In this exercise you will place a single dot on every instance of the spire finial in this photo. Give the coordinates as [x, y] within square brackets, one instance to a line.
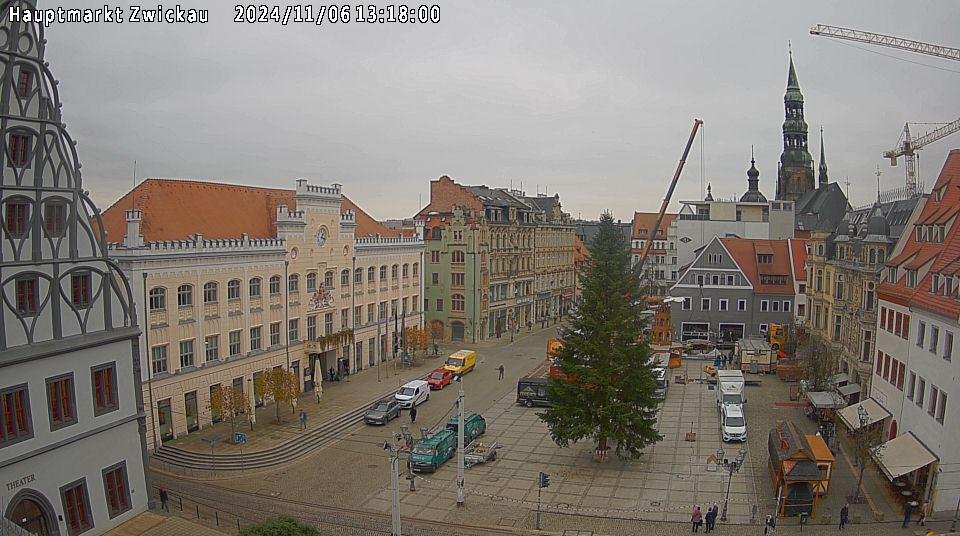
[823, 162]
[878, 183]
[789, 48]
[752, 161]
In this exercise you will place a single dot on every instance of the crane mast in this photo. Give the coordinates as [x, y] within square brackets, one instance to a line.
[666, 199]
[909, 146]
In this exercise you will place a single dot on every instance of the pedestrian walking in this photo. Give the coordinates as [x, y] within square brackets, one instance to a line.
[413, 414]
[844, 513]
[501, 371]
[710, 518]
[303, 420]
[907, 512]
[436, 349]
[922, 520]
[163, 500]
[696, 519]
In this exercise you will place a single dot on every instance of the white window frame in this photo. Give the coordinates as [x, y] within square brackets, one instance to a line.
[724, 304]
[741, 305]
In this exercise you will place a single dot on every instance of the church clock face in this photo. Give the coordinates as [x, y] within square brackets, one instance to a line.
[322, 236]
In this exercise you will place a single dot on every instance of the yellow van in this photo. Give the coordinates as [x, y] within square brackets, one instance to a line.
[461, 361]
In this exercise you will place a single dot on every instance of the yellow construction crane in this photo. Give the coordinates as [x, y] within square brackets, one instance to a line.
[906, 146]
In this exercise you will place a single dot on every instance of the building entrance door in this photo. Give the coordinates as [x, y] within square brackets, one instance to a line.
[456, 331]
[32, 517]
[190, 408]
[165, 420]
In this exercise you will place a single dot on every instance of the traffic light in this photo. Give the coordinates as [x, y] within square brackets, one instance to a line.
[544, 479]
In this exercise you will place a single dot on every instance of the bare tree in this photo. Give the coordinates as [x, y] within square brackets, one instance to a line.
[818, 360]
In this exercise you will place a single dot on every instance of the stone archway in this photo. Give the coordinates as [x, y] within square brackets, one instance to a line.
[30, 510]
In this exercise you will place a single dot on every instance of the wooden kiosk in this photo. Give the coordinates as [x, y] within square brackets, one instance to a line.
[801, 466]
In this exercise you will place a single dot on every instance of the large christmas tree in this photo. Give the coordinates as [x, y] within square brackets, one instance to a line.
[607, 392]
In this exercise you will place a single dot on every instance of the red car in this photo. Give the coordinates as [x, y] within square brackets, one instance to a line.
[438, 378]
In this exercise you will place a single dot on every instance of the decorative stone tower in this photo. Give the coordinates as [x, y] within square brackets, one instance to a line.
[73, 444]
[795, 176]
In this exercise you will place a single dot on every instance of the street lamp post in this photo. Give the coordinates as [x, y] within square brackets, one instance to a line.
[863, 417]
[953, 526]
[732, 466]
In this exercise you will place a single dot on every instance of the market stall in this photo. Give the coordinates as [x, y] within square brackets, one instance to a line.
[801, 467]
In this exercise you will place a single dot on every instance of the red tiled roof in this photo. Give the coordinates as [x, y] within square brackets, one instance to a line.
[581, 253]
[176, 209]
[798, 253]
[646, 220]
[744, 251]
[941, 257]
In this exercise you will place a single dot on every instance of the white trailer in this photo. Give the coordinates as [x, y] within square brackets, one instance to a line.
[730, 387]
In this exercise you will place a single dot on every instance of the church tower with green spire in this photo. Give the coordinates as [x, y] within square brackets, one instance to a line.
[795, 176]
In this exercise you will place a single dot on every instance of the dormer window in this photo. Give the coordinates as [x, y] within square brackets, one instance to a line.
[764, 258]
[892, 274]
[941, 233]
[948, 286]
[935, 283]
[912, 278]
[919, 233]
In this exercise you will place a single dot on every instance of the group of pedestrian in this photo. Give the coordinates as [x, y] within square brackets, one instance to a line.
[709, 520]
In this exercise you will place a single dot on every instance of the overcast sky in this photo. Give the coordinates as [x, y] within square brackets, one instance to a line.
[591, 100]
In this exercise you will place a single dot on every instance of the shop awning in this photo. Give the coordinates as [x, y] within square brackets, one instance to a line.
[566, 294]
[851, 418]
[825, 400]
[849, 389]
[902, 455]
[837, 379]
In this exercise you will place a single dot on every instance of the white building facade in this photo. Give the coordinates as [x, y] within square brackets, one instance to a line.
[72, 447]
[916, 376]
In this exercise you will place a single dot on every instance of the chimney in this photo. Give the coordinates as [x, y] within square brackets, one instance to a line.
[133, 239]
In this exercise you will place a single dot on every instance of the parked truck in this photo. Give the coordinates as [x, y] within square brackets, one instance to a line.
[730, 388]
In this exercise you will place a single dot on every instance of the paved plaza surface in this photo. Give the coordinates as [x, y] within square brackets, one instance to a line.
[652, 495]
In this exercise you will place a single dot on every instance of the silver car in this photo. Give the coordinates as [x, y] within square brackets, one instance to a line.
[382, 412]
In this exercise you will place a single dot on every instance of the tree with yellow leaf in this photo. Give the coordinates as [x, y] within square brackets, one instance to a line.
[415, 339]
[228, 403]
[279, 385]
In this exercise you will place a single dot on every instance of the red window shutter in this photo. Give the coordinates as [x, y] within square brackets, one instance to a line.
[66, 404]
[54, 403]
[72, 516]
[9, 425]
[886, 367]
[903, 370]
[883, 318]
[879, 362]
[906, 326]
[896, 330]
[21, 414]
[890, 319]
[112, 491]
[121, 490]
[98, 388]
[108, 386]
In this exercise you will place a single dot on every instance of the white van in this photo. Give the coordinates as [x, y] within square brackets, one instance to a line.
[733, 423]
[413, 393]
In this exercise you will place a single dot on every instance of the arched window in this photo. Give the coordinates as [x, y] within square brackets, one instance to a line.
[371, 275]
[358, 276]
[158, 299]
[456, 256]
[233, 289]
[185, 296]
[345, 278]
[416, 269]
[293, 283]
[395, 271]
[873, 255]
[274, 285]
[328, 279]
[383, 272]
[210, 292]
[406, 270]
[456, 302]
[312, 282]
[255, 284]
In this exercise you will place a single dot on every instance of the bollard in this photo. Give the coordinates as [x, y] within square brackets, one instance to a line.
[238, 526]
[198, 511]
[216, 517]
[181, 503]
